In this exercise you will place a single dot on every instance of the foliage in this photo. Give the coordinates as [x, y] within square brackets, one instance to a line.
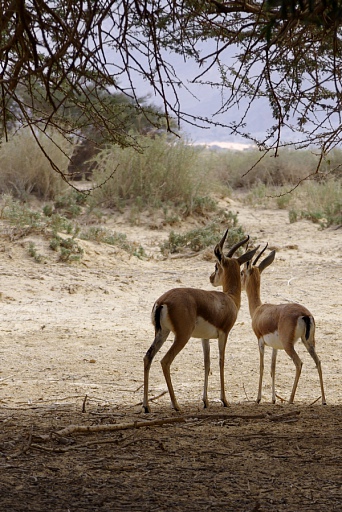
[69, 248]
[317, 201]
[117, 239]
[244, 169]
[25, 169]
[284, 56]
[322, 204]
[32, 250]
[202, 237]
[165, 171]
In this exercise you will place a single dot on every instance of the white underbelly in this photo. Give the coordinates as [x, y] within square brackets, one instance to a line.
[272, 340]
[204, 329]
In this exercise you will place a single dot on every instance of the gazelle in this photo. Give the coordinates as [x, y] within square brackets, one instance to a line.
[191, 312]
[278, 326]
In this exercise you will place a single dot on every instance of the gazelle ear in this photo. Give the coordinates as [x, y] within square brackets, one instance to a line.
[247, 256]
[267, 261]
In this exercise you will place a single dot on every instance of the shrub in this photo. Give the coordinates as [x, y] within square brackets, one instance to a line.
[163, 171]
[24, 169]
[323, 203]
[117, 239]
[203, 237]
[244, 169]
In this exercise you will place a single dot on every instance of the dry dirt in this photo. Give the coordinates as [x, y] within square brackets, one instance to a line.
[73, 339]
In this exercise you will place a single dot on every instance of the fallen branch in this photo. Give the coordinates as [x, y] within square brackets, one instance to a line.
[86, 429]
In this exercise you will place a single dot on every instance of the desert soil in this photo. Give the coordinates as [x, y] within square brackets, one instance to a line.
[73, 339]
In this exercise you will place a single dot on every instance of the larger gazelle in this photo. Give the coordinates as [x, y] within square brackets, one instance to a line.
[194, 313]
[278, 326]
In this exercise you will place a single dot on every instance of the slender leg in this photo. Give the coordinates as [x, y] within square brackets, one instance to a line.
[154, 348]
[273, 367]
[311, 349]
[222, 341]
[298, 363]
[178, 344]
[206, 354]
[261, 370]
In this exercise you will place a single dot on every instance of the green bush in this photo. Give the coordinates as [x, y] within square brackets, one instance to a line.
[203, 237]
[117, 239]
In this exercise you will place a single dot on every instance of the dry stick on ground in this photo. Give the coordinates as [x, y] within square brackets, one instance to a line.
[72, 429]
[85, 429]
[153, 398]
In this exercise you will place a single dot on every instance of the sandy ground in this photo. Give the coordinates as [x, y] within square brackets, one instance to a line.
[73, 337]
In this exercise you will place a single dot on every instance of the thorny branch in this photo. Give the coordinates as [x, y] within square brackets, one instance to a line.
[281, 55]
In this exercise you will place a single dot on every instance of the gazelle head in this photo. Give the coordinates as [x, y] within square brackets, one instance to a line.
[251, 270]
[226, 264]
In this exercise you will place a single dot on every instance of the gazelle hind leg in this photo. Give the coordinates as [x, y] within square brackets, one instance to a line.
[298, 364]
[158, 342]
[261, 367]
[206, 354]
[178, 344]
[311, 349]
[222, 341]
[273, 368]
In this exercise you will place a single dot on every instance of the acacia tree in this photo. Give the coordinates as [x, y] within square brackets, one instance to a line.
[285, 52]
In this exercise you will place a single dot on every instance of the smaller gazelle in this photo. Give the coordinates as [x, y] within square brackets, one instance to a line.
[278, 326]
[191, 312]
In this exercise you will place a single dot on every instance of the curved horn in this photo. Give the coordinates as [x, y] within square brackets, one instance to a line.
[236, 246]
[219, 247]
[262, 252]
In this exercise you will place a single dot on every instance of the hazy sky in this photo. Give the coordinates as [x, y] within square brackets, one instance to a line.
[205, 101]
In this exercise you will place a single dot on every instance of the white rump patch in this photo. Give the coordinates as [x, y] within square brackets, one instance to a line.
[165, 321]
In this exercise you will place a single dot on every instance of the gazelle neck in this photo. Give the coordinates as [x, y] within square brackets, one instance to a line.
[253, 291]
[232, 285]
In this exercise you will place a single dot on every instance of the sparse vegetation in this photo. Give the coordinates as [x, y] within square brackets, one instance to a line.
[25, 170]
[203, 237]
[69, 248]
[117, 239]
[32, 250]
[167, 171]
[178, 181]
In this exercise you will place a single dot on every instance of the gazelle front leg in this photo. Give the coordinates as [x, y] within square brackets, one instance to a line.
[273, 368]
[222, 341]
[159, 339]
[261, 369]
[206, 354]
